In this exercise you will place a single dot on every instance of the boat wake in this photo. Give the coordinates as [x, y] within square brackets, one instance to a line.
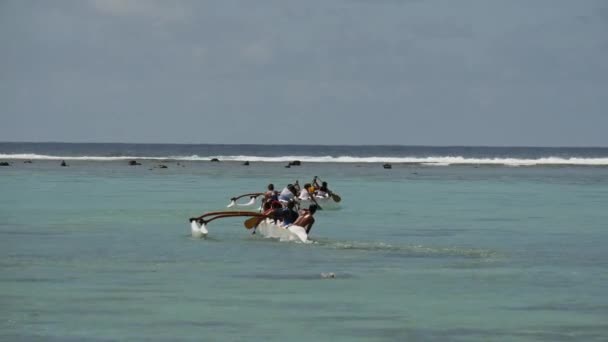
[414, 251]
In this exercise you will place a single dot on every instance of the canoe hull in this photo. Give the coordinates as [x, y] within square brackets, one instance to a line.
[327, 203]
[269, 229]
[266, 228]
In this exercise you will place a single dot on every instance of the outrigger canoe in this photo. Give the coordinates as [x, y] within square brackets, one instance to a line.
[262, 224]
[255, 202]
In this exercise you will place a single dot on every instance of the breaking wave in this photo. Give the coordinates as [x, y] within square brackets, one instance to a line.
[428, 161]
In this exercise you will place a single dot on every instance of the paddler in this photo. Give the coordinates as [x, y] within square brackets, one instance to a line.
[322, 191]
[305, 192]
[269, 196]
[288, 215]
[306, 219]
[288, 194]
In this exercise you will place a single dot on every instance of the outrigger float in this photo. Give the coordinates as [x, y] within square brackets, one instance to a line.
[262, 224]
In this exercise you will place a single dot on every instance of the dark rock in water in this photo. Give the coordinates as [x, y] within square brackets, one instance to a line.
[215, 160]
[134, 162]
[246, 163]
[63, 163]
[4, 164]
[387, 166]
[162, 166]
[295, 163]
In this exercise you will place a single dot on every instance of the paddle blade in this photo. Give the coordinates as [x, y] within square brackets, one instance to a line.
[336, 198]
[252, 222]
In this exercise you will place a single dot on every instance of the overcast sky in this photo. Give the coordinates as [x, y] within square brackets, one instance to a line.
[406, 72]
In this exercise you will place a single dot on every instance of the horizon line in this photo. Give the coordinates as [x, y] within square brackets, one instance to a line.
[268, 144]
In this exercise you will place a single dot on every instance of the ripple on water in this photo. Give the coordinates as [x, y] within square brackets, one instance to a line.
[536, 333]
[295, 276]
[576, 307]
[414, 250]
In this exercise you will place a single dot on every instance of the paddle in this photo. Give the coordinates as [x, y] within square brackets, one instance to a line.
[255, 220]
[335, 197]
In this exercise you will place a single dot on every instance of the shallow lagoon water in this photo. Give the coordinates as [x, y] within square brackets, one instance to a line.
[101, 251]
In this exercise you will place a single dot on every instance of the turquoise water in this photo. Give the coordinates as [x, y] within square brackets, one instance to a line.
[102, 251]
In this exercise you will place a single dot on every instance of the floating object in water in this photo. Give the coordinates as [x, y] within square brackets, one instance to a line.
[328, 275]
[215, 160]
[387, 166]
[63, 163]
[134, 162]
[246, 163]
[5, 164]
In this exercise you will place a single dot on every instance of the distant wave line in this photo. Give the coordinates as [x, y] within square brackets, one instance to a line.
[431, 160]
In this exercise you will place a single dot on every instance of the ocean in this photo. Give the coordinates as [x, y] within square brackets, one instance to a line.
[450, 244]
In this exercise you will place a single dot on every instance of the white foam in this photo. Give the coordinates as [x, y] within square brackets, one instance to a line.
[431, 161]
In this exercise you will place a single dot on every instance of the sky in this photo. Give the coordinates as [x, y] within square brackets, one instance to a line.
[337, 72]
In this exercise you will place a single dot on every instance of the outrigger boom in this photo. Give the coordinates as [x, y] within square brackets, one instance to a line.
[198, 225]
[265, 223]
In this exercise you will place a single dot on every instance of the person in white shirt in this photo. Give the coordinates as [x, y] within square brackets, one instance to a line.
[304, 193]
[287, 194]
